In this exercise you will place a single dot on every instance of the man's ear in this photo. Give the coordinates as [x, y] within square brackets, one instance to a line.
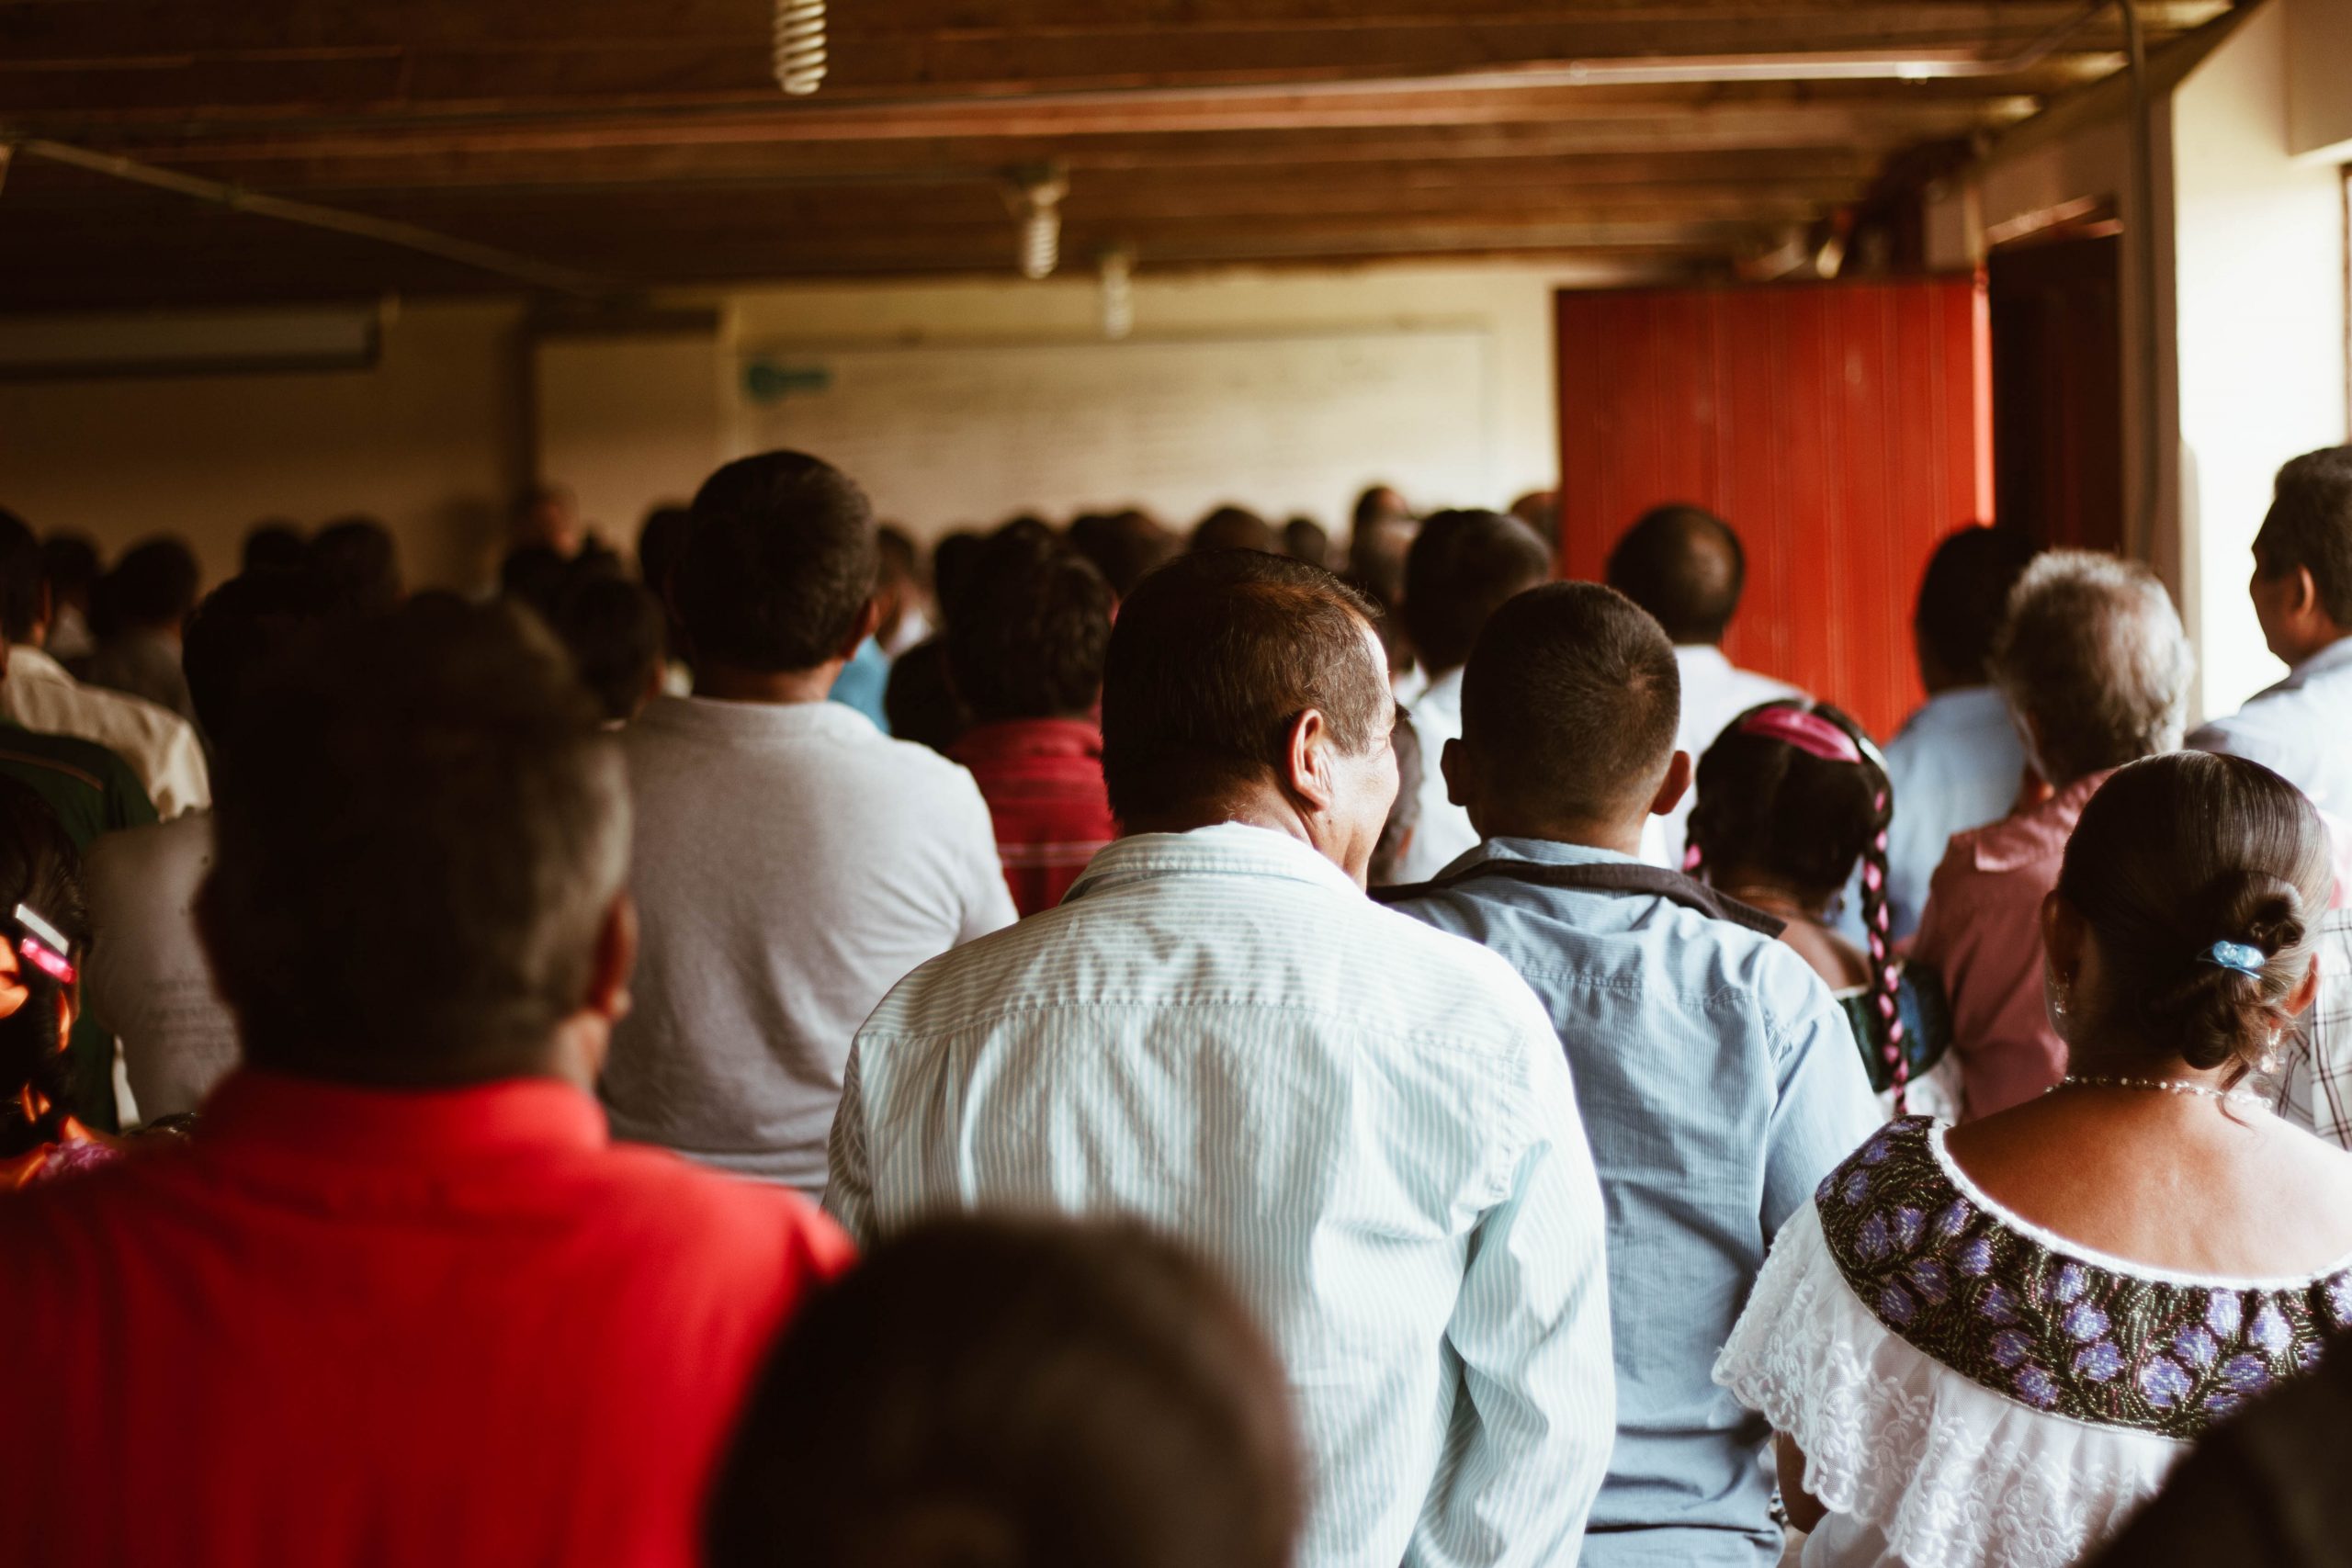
[1307, 761]
[2306, 597]
[614, 961]
[1464, 783]
[869, 617]
[1673, 787]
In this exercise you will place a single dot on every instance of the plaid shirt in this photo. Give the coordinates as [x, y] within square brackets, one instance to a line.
[2317, 1091]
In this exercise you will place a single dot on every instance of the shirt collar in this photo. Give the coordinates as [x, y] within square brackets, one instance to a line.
[718, 717]
[1029, 737]
[352, 1124]
[1227, 849]
[1960, 707]
[2335, 656]
[25, 659]
[2039, 832]
[1544, 852]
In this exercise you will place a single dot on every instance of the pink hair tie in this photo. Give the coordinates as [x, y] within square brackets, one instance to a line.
[1808, 732]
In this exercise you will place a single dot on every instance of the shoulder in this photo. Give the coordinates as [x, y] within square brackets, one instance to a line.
[719, 1219]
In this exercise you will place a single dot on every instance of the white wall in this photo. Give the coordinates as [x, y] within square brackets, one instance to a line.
[2259, 246]
[429, 440]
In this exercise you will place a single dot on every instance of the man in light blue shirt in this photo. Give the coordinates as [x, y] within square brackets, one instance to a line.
[2301, 728]
[1718, 1080]
[1958, 762]
[1367, 1124]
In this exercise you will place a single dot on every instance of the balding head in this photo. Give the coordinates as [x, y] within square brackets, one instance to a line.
[1684, 566]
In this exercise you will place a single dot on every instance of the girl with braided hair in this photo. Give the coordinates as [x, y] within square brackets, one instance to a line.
[42, 931]
[1789, 798]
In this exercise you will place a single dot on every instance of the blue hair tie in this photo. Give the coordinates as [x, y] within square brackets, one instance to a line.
[2239, 957]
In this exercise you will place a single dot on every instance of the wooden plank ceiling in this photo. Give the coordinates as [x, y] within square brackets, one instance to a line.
[645, 142]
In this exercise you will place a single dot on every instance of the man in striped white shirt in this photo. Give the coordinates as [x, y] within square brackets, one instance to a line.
[1368, 1123]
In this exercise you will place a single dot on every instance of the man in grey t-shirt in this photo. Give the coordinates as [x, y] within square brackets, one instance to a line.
[791, 863]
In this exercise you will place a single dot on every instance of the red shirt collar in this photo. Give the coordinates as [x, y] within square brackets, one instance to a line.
[1028, 737]
[353, 1123]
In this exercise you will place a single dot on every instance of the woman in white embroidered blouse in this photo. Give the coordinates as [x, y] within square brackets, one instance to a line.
[1986, 1345]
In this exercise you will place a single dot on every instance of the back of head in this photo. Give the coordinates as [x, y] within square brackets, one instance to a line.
[241, 641]
[1306, 539]
[420, 833]
[357, 566]
[896, 560]
[1029, 637]
[2310, 526]
[1005, 1393]
[615, 632]
[40, 873]
[155, 583]
[658, 544]
[1779, 811]
[1381, 531]
[1126, 547]
[1964, 597]
[273, 546]
[534, 577]
[1233, 529]
[921, 701]
[952, 559]
[1685, 566]
[2173, 855]
[778, 564]
[20, 578]
[2092, 656]
[1461, 568]
[1569, 703]
[1212, 658]
[69, 565]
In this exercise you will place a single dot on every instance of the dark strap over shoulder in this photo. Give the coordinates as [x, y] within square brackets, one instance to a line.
[1605, 876]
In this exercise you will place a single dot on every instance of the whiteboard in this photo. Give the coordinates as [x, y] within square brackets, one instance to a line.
[955, 435]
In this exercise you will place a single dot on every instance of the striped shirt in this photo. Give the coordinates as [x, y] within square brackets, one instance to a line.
[1368, 1123]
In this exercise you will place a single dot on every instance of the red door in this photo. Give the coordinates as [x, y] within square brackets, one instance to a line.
[1842, 429]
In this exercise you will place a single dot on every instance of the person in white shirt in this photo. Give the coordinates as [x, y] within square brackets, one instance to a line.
[1957, 762]
[147, 977]
[1685, 566]
[791, 862]
[2301, 728]
[1367, 1124]
[160, 747]
[1464, 566]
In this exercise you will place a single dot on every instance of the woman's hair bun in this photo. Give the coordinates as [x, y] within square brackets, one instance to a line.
[2225, 1012]
[2260, 910]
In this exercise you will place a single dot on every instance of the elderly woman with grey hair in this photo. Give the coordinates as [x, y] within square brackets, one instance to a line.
[2095, 667]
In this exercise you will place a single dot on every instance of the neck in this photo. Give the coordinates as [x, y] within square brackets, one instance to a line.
[730, 683]
[2310, 649]
[1773, 899]
[1267, 808]
[1619, 836]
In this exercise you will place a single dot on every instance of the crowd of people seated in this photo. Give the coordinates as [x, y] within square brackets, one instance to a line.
[1090, 1046]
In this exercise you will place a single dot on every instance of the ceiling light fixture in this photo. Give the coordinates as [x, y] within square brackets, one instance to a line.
[1036, 194]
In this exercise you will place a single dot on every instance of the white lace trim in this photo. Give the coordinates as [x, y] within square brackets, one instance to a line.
[1951, 1474]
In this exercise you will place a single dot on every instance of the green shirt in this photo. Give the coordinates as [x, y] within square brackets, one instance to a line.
[93, 792]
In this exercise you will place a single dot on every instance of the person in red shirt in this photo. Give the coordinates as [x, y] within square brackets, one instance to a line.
[1025, 640]
[399, 1301]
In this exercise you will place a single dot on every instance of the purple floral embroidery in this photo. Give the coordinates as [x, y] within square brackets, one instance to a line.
[2098, 1362]
[2053, 1332]
[2084, 1321]
[2163, 1383]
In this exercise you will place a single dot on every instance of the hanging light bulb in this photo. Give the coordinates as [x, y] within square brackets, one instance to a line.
[1036, 196]
[800, 45]
[1118, 293]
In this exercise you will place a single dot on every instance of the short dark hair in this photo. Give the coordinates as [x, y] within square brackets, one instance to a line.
[2310, 526]
[537, 576]
[241, 640]
[1306, 539]
[357, 566]
[273, 546]
[919, 699]
[1028, 639]
[69, 564]
[613, 629]
[20, 578]
[1571, 699]
[1964, 597]
[1685, 566]
[896, 558]
[1405, 815]
[658, 544]
[1214, 657]
[417, 851]
[1125, 547]
[38, 868]
[1047, 1393]
[1233, 529]
[2174, 854]
[778, 564]
[1461, 566]
[952, 559]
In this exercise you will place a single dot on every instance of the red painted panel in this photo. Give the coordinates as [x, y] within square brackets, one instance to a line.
[1842, 428]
